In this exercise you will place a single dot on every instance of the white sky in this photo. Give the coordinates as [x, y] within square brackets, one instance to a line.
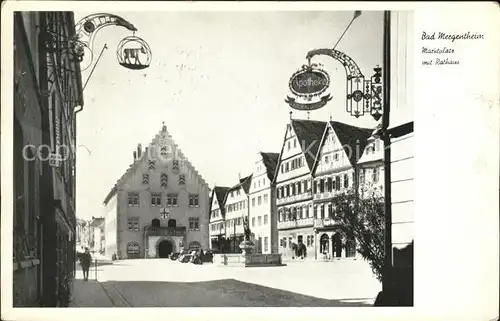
[226, 104]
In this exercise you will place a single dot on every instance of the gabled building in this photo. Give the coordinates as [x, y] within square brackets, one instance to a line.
[262, 217]
[159, 206]
[336, 170]
[217, 230]
[293, 183]
[236, 203]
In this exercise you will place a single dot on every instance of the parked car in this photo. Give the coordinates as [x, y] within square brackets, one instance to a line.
[184, 256]
[208, 256]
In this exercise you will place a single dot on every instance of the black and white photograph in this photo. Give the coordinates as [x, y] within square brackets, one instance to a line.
[217, 158]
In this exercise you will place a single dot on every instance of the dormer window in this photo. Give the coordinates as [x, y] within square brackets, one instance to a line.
[145, 178]
[163, 151]
[182, 179]
[163, 180]
[151, 164]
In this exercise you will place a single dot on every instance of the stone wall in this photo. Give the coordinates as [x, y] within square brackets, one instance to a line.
[25, 286]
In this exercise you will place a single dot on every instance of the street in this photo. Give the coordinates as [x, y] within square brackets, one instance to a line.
[166, 283]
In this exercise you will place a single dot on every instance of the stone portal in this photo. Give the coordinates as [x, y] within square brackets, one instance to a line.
[165, 247]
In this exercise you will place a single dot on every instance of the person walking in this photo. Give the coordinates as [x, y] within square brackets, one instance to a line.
[85, 261]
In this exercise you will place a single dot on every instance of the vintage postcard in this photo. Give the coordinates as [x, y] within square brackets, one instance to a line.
[205, 156]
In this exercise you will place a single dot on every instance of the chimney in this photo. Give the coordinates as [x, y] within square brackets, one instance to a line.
[135, 155]
[139, 151]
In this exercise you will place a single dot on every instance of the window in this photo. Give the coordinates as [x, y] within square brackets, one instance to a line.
[194, 200]
[346, 181]
[132, 248]
[182, 179]
[239, 221]
[336, 157]
[295, 143]
[155, 199]
[266, 245]
[337, 182]
[288, 145]
[362, 176]
[329, 184]
[133, 199]
[253, 221]
[175, 165]
[375, 175]
[322, 185]
[163, 151]
[326, 159]
[145, 178]
[253, 201]
[266, 219]
[163, 180]
[194, 223]
[280, 216]
[133, 224]
[259, 220]
[257, 184]
[286, 166]
[322, 208]
[315, 211]
[172, 200]
[265, 199]
[299, 188]
[259, 200]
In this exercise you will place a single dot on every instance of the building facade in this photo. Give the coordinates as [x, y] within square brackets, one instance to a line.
[97, 232]
[159, 206]
[346, 156]
[47, 97]
[262, 200]
[237, 210]
[293, 181]
[82, 235]
[218, 219]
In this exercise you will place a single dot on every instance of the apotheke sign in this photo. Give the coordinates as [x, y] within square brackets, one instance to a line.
[307, 85]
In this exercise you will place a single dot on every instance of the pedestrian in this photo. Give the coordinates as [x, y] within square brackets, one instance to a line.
[85, 261]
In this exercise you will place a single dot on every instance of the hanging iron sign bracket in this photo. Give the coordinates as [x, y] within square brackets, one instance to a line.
[363, 95]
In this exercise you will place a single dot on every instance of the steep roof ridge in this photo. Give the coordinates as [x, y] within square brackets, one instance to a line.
[270, 162]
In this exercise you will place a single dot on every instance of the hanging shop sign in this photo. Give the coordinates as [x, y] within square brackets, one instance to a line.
[363, 95]
[307, 85]
[134, 53]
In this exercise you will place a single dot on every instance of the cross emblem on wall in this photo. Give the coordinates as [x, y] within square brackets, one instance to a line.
[164, 212]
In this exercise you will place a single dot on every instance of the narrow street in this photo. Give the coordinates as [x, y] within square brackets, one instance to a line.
[166, 283]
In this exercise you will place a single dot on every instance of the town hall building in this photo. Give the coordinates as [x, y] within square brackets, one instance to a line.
[159, 206]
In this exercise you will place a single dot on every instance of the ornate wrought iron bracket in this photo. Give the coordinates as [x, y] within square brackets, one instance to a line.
[363, 95]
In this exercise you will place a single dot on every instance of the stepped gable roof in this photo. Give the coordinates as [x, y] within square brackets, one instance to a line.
[309, 134]
[352, 138]
[133, 167]
[271, 162]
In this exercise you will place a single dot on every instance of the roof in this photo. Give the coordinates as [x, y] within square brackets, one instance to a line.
[309, 134]
[401, 130]
[96, 221]
[271, 163]
[352, 139]
[244, 183]
[133, 167]
[220, 194]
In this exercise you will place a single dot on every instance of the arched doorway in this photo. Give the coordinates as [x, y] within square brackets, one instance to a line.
[323, 243]
[350, 248]
[337, 245]
[195, 245]
[155, 222]
[165, 247]
[172, 223]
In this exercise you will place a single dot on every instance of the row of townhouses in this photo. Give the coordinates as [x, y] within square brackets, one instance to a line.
[288, 199]
[90, 234]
